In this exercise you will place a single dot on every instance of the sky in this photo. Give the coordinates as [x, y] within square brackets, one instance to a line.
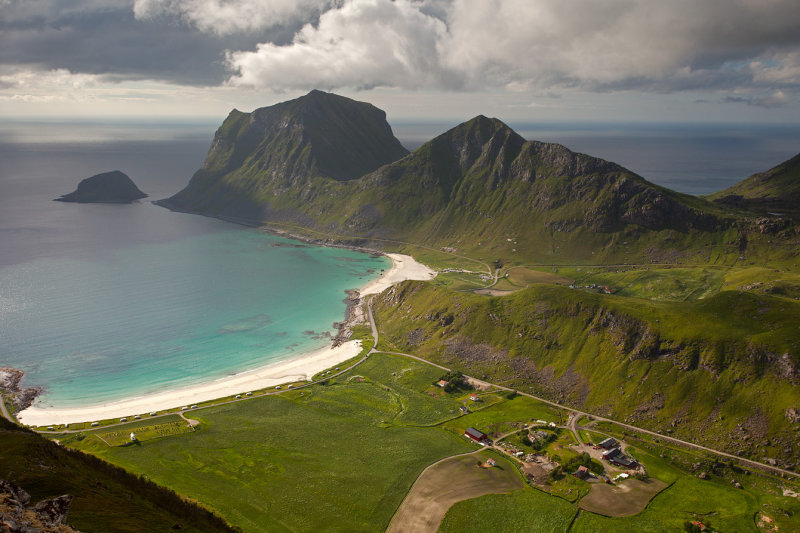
[709, 61]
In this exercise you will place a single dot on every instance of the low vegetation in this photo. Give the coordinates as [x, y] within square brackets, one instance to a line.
[720, 370]
[105, 497]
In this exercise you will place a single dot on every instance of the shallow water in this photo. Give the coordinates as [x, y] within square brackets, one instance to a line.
[103, 302]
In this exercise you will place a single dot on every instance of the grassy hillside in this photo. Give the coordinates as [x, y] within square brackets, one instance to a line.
[777, 189]
[324, 165]
[721, 370]
[106, 498]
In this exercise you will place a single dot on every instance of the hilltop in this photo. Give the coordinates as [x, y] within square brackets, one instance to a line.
[327, 164]
[776, 190]
[286, 149]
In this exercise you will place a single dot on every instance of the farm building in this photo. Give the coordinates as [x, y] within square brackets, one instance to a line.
[608, 443]
[474, 397]
[582, 472]
[442, 383]
[610, 454]
[476, 435]
[464, 409]
[624, 461]
[491, 462]
[615, 456]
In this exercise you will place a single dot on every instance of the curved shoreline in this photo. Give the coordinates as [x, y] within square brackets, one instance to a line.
[299, 368]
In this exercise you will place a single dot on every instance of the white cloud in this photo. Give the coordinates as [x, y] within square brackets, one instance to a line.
[231, 16]
[363, 43]
[38, 81]
[535, 44]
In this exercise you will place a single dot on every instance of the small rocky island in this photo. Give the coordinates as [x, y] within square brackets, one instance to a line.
[113, 187]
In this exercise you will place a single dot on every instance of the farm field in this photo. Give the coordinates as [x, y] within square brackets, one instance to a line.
[626, 499]
[344, 455]
[164, 427]
[450, 481]
[328, 457]
[523, 510]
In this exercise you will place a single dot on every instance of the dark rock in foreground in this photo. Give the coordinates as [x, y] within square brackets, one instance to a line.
[45, 516]
[112, 187]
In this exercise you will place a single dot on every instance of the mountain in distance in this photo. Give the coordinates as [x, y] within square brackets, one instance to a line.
[775, 191]
[113, 187]
[255, 157]
[327, 164]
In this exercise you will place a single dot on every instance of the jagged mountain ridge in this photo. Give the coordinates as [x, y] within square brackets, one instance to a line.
[290, 164]
[482, 167]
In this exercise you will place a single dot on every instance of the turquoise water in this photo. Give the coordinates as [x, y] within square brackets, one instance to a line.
[103, 302]
[141, 318]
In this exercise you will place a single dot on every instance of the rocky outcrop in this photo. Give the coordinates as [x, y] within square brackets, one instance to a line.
[113, 187]
[17, 516]
[20, 398]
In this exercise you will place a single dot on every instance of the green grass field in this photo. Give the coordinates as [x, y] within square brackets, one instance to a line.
[336, 456]
[343, 455]
[163, 428]
[523, 510]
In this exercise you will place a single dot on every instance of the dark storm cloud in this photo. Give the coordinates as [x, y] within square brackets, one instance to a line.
[105, 38]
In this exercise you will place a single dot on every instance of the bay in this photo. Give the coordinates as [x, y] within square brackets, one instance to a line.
[104, 302]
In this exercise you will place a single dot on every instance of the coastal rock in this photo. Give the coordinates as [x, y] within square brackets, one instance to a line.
[20, 398]
[113, 187]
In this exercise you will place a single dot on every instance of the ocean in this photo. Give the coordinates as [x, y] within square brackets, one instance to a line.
[104, 302]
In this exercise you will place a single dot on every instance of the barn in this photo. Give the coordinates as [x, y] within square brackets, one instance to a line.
[476, 435]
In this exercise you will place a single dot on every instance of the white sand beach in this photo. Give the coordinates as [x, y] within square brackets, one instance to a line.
[302, 367]
[404, 267]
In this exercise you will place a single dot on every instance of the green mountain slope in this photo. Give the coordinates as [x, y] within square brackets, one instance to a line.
[776, 190]
[721, 371]
[286, 147]
[324, 163]
[105, 497]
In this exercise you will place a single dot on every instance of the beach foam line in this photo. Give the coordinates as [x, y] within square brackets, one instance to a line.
[298, 369]
[404, 267]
